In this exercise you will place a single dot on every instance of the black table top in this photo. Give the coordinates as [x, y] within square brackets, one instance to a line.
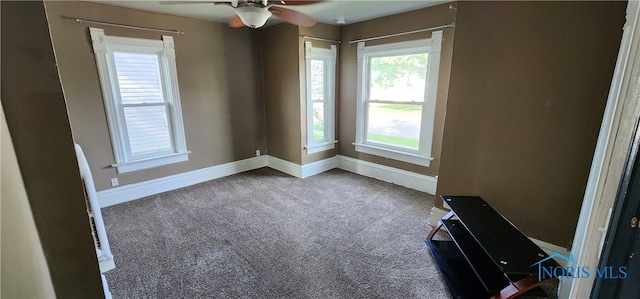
[511, 250]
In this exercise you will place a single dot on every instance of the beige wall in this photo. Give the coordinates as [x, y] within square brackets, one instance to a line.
[36, 116]
[325, 31]
[414, 20]
[528, 86]
[529, 81]
[285, 89]
[25, 273]
[220, 78]
[282, 91]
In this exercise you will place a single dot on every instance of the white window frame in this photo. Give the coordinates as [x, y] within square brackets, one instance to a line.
[328, 56]
[432, 46]
[103, 47]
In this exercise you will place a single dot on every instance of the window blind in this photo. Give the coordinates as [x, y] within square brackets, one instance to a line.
[142, 99]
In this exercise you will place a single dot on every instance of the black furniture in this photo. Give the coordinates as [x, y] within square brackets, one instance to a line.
[488, 257]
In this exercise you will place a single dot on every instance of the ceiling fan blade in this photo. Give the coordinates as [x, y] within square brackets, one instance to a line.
[236, 22]
[189, 2]
[292, 16]
[295, 2]
[232, 3]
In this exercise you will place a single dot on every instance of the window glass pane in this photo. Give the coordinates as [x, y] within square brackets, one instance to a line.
[317, 80]
[398, 78]
[148, 129]
[318, 121]
[138, 77]
[395, 124]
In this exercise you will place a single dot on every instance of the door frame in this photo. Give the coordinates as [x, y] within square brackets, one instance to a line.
[621, 220]
[616, 132]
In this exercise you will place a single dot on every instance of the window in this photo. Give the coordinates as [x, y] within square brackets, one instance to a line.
[140, 90]
[396, 99]
[320, 76]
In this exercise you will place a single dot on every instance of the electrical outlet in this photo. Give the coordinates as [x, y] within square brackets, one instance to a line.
[114, 182]
[257, 153]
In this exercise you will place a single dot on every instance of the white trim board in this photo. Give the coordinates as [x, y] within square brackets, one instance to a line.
[287, 167]
[313, 168]
[389, 174]
[437, 214]
[302, 171]
[550, 249]
[616, 132]
[130, 192]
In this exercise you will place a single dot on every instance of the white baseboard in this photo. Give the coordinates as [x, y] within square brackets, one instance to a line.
[436, 215]
[130, 192]
[317, 167]
[302, 171]
[105, 287]
[550, 249]
[287, 167]
[389, 174]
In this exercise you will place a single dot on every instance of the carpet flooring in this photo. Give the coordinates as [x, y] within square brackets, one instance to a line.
[265, 234]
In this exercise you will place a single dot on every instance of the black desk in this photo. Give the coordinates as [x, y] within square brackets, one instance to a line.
[488, 256]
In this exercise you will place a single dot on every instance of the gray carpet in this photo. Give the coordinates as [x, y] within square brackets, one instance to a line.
[264, 234]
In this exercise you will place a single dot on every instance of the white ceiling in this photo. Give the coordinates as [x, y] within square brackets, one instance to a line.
[352, 11]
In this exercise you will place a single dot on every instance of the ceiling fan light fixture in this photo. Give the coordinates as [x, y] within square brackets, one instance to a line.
[253, 17]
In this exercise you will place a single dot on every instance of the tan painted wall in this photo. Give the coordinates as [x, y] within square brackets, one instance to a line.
[282, 91]
[36, 115]
[25, 273]
[529, 82]
[325, 31]
[414, 20]
[220, 78]
[320, 30]
[285, 89]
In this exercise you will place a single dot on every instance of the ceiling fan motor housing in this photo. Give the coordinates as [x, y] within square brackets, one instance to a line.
[253, 16]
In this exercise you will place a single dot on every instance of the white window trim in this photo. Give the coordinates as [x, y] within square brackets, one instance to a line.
[423, 155]
[320, 147]
[103, 46]
[329, 57]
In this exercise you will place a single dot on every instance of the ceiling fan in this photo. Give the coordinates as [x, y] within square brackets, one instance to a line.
[255, 13]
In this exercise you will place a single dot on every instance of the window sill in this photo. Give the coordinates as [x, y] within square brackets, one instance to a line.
[320, 147]
[151, 162]
[393, 154]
